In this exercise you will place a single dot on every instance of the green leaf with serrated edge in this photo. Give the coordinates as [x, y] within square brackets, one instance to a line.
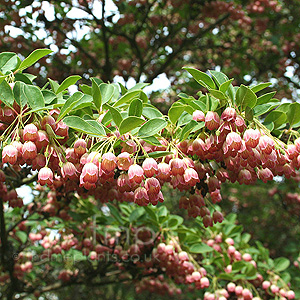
[135, 108]
[86, 89]
[264, 108]
[116, 115]
[68, 106]
[35, 98]
[128, 97]
[67, 82]
[107, 91]
[281, 263]
[293, 114]
[33, 58]
[245, 97]
[225, 85]
[200, 248]
[175, 112]
[152, 127]
[151, 112]
[9, 62]
[152, 140]
[79, 124]
[97, 125]
[6, 94]
[260, 86]
[277, 117]
[129, 124]
[187, 129]
[201, 77]
[19, 93]
[265, 98]
[96, 94]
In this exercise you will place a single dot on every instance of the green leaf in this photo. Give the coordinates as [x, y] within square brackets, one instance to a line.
[34, 96]
[158, 154]
[22, 236]
[265, 98]
[54, 85]
[49, 96]
[201, 77]
[96, 94]
[277, 117]
[174, 221]
[211, 103]
[221, 78]
[139, 86]
[135, 108]
[187, 129]
[263, 108]
[123, 88]
[70, 103]
[8, 62]
[270, 126]
[218, 94]
[129, 124]
[176, 111]
[246, 238]
[33, 58]
[281, 263]
[128, 97]
[245, 97]
[200, 248]
[67, 82]
[260, 87]
[151, 112]
[116, 115]
[152, 127]
[136, 214]
[23, 77]
[19, 93]
[152, 140]
[81, 125]
[115, 213]
[107, 91]
[86, 89]
[293, 114]
[249, 113]
[6, 94]
[225, 85]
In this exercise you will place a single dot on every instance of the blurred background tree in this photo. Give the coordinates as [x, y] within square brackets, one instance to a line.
[144, 39]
